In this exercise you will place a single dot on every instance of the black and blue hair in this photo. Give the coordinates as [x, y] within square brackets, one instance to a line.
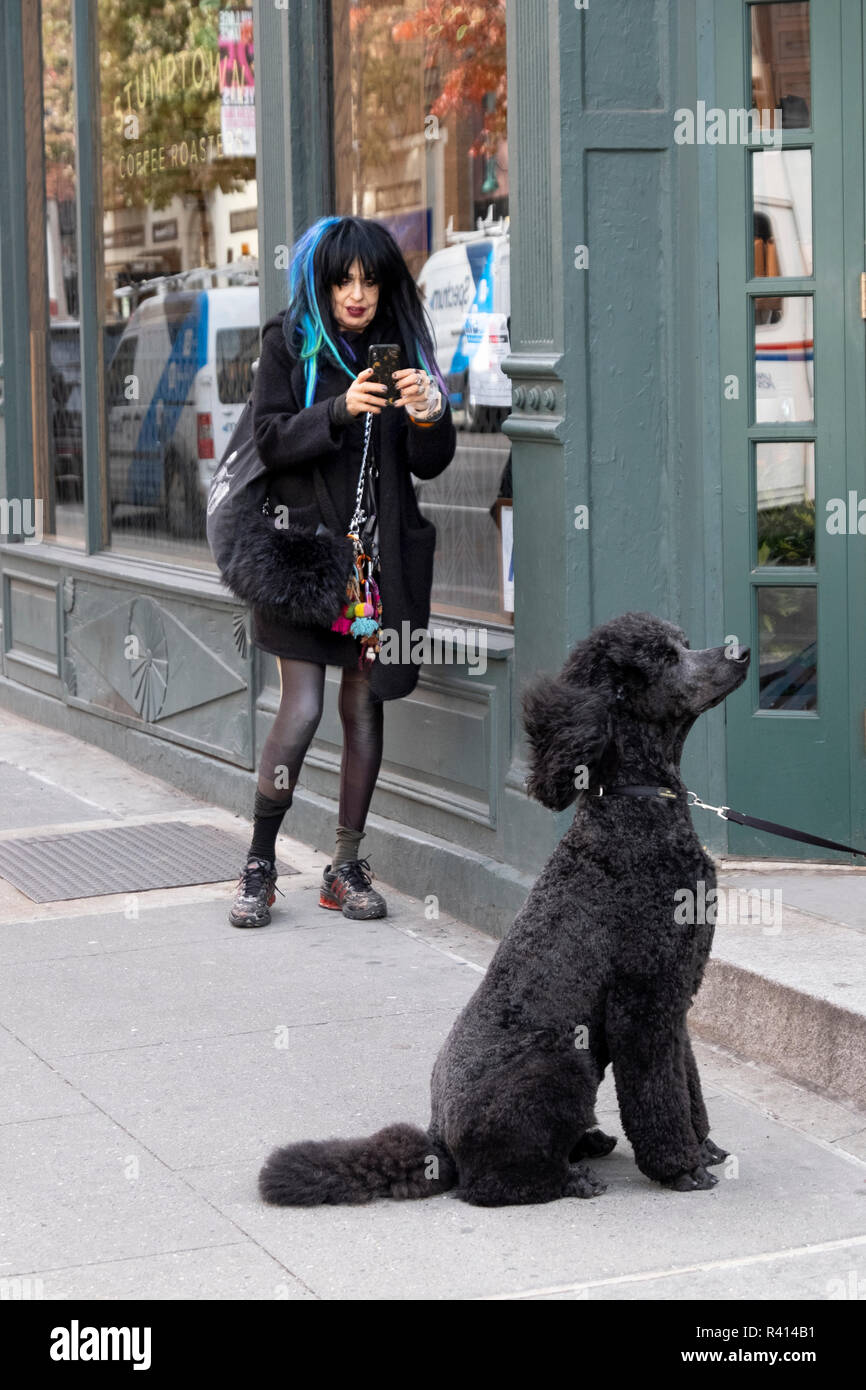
[322, 258]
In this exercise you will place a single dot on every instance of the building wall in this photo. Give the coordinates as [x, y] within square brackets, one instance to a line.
[613, 368]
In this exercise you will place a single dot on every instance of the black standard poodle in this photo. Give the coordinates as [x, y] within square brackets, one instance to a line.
[598, 966]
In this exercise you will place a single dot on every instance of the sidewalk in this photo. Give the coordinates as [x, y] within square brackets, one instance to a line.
[151, 1055]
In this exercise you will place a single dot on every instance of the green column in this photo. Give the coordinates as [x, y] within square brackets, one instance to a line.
[612, 230]
[293, 144]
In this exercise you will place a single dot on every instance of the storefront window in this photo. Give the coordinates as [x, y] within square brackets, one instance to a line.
[60, 476]
[420, 110]
[180, 299]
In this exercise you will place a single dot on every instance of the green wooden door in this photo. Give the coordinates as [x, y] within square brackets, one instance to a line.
[792, 357]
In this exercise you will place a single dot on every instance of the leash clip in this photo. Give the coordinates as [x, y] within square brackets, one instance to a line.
[720, 811]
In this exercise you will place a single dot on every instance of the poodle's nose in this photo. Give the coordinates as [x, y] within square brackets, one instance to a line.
[743, 658]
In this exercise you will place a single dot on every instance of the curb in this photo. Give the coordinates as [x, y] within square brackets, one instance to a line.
[803, 1037]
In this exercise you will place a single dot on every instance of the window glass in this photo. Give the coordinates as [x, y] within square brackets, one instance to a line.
[788, 639]
[784, 359]
[781, 74]
[782, 193]
[785, 497]
[420, 124]
[180, 291]
[236, 351]
[61, 486]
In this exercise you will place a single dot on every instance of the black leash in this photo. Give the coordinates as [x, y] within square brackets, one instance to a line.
[786, 832]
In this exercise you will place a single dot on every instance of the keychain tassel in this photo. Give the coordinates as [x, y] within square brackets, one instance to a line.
[362, 610]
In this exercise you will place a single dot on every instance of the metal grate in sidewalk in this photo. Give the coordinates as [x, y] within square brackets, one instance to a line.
[123, 859]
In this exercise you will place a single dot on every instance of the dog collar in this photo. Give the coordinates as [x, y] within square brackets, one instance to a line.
[665, 793]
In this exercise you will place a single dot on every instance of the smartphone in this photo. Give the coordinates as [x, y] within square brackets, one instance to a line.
[384, 358]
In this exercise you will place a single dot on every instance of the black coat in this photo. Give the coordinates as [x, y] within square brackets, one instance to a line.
[314, 462]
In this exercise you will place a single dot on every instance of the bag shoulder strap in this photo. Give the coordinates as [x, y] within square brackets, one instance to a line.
[326, 506]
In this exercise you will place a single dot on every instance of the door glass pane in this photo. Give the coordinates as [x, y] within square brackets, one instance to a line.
[784, 359]
[788, 647]
[420, 144]
[780, 62]
[181, 299]
[782, 195]
[785, 496]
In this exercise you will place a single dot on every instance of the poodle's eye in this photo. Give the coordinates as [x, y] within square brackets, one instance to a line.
[672, 656]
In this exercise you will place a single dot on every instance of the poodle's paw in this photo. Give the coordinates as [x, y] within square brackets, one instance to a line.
[697, 1180]
[594, 1143]
[711, 1153]
[582, 1182]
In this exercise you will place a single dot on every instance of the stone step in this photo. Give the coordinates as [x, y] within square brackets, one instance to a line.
[786, 984]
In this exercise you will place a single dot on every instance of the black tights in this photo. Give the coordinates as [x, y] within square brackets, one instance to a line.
[301, 699]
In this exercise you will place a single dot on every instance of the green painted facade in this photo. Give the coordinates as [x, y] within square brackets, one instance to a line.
[617, 369]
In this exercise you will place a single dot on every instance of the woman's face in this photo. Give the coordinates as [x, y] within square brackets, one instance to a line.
[354, 300]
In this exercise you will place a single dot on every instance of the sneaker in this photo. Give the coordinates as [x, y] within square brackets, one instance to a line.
[257, 890]
[348, 889]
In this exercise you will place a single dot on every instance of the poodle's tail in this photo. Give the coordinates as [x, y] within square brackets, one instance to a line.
[398, 1161]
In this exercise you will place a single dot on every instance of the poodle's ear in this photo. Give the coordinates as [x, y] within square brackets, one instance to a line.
[568, 728]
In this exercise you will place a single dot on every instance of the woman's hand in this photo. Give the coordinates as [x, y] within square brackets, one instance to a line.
[415, 388]
[365, 395]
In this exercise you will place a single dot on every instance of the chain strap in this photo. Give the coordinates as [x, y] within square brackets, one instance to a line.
[359, 516]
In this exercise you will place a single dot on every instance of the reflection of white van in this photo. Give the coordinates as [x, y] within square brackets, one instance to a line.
[784, 347]
[466, 290]
[176, 387]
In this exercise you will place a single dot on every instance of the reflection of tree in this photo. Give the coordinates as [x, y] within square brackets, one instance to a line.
[786, 535]
[468, 43]
[135, 38]
[387, 95]
[463, 52]
[57, 97]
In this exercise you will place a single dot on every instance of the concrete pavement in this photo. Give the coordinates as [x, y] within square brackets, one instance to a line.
[150, 1055]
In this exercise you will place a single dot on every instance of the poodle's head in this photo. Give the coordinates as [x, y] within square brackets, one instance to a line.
[627, 694]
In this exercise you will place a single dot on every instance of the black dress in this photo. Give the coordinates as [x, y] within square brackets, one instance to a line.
[313, 454]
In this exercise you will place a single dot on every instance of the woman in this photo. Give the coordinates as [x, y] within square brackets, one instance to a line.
[350, 288]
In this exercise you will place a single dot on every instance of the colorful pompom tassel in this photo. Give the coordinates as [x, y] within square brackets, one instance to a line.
[362, 611]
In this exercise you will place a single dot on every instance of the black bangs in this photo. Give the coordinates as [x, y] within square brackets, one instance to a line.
[354, 239]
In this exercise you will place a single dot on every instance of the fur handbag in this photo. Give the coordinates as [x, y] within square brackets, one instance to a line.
[290, 572]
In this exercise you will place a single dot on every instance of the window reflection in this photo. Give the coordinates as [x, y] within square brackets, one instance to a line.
[780, 62]
[788, 639]
[61, 485]
[420, 120]
[782, 194]
[785, 496]
[181, 270]
[784, 359]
